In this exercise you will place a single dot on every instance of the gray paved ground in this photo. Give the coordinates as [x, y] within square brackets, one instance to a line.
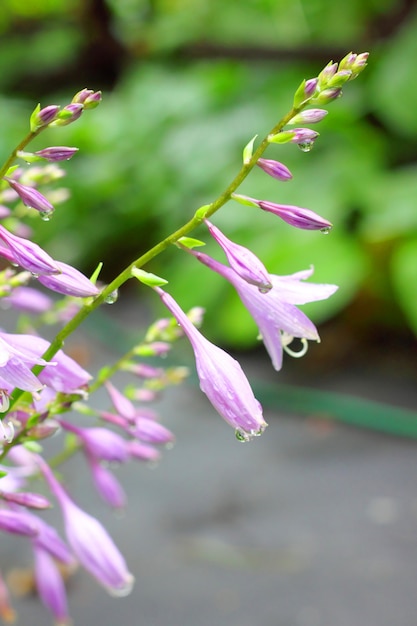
[309, 525]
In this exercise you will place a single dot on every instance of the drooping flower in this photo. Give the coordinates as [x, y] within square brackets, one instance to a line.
[28, 300]
[50, 586]
[90, 542]
[221, 377]
[242, 260]
[107, 485]
[101, 443]
[275, 313]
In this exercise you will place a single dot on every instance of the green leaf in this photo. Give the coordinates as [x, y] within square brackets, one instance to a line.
[152, 280]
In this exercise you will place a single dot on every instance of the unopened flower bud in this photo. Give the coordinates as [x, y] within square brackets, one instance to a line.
[275, 169]
[89, 98]
[57, 153]
[327, 95]
[309, 116]
[70, 113]
[31, 197]
[43, 117]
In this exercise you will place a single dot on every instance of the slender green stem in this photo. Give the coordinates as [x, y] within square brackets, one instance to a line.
[12, 157]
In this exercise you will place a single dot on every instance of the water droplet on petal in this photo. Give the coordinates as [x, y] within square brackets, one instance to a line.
[112, 297]
[306, 146]
[326, 230]
[241, 435]
[121, 592]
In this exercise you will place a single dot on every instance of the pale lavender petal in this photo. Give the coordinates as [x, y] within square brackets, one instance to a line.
[50, 586]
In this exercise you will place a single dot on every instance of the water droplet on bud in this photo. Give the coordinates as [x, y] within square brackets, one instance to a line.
[112, 297]
[45, 215]
[326, 230]
[306, 146]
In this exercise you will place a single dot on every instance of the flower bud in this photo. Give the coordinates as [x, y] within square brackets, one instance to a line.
[70, 113]
[43, 117]
[56, 153]
[275, 169]
[31, 197]
[309, 116]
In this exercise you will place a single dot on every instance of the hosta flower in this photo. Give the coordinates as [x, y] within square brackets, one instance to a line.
[242, 260]
[50, 586]
[90, 542]
[221, 377]
[100, 443]
[16, 364]
[275, 313]
[22, 352]
[275, 169]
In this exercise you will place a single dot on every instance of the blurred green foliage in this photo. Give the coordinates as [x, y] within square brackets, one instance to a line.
[188, 83]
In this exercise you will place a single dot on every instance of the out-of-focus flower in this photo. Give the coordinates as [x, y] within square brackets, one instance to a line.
[221, 377]
[91, 543]
[101, 443]
[28, 300]
[50, 586]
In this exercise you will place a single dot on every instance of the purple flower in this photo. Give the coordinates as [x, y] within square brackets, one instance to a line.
[31, 197]
[123, 405]
[17, 523]
[107, 485]
[27, 254]
[28, 300]
[27, 499]
[56, 153]
[150, 431]
[221, 377]
[100, 443]
[91, 543]
[143, 451]
[63, 374]
[16, 364]
[69, 281]
[275, 169]
[68, 114]
[275, 313]
[242, 260]
[50, 586]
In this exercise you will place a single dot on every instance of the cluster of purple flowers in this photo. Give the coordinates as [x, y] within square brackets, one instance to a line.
[51, 383]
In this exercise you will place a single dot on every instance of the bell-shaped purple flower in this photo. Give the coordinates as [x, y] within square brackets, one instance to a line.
[27, 254]
[69, 282]
[17, 523]
[275, 313]
[221, 377]
[151, 431]
[107, 485]
[242, 260]
[91, 543]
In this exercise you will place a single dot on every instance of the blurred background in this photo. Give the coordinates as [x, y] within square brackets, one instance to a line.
[186, 84]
